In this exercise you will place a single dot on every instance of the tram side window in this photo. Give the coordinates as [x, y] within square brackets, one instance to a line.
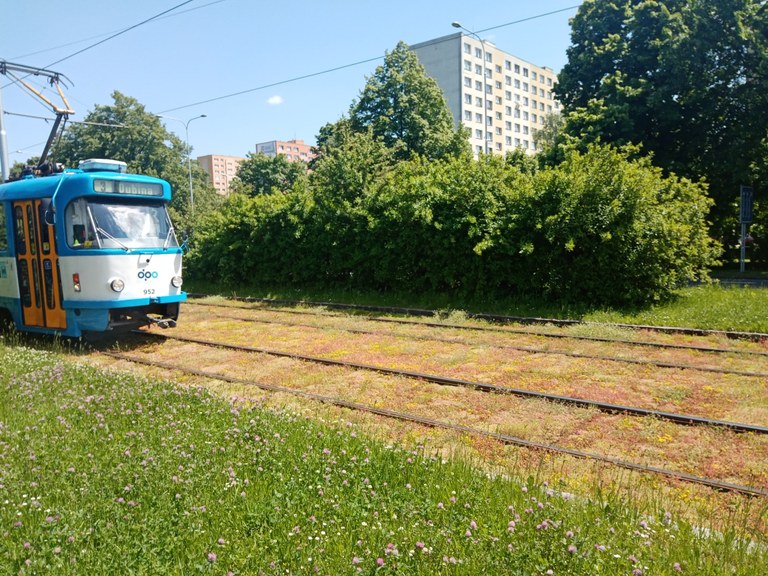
[3, 230]
[80, 233]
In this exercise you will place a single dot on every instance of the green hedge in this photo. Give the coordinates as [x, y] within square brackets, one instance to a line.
[599, 228]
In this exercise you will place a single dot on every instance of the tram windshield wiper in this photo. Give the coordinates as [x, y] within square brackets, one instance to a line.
[171, 234]
[109, 236]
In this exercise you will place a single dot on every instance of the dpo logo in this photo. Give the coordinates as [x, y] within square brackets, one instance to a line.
[146, 275]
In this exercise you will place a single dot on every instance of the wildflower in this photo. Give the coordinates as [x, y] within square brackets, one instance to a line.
[569, 534]
[211, 557]
[379, 561]
[221, 541]
[468, 533]
[440, 505]
[600, 547]
[473, 525]
[676, 567]
[420, 545]
[356, 560]
[637, 572]
[572, 549]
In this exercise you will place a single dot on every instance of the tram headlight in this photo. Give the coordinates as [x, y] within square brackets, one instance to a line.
[117, 285]
[176, 281]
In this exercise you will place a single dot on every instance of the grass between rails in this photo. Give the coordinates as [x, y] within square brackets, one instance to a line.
[713, 306]
[108, 473]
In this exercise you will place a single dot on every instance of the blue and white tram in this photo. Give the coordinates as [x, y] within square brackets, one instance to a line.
[88, 250]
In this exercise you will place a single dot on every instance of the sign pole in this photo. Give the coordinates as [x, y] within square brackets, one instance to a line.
[745, 217]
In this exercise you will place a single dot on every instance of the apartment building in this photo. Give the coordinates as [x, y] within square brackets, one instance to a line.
[221, 170]
[501, 98]
[292, 149]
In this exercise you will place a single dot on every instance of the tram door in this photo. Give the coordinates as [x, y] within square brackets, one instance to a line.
[37, 261]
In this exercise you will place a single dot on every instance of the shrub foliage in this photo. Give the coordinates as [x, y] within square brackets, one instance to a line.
[600, 227]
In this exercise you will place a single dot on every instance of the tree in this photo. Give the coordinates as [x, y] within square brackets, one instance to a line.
[262, 174]
[126, 131]
[686, 79]
[406, 109]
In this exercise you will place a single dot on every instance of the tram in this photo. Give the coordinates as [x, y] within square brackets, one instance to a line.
[88, 250]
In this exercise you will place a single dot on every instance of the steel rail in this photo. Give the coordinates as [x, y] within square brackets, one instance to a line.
[508, 330]
[530, 349]
[683, 419]
[503, 319]
[503, 438]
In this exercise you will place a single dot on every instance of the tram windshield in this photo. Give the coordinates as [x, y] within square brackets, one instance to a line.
[124, 224]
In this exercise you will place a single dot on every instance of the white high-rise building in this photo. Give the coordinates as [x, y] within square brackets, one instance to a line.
[501, 98]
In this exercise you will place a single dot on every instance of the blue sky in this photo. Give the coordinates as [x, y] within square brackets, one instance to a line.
[259, 71]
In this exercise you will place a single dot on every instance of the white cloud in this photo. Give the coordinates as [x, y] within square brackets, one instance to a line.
[275, 100]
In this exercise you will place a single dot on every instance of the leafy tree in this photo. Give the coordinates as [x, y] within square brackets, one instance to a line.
[262, 174]
[686, 79]
[406, 109]
[126, 131]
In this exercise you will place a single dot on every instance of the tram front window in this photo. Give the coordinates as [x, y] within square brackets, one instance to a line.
[124, 225]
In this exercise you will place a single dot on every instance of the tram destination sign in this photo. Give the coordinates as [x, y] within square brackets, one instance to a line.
[127, 187]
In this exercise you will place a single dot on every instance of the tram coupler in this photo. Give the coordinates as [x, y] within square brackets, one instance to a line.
[162, 322]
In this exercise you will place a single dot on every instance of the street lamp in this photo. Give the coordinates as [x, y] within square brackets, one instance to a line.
[189, 153]
[485, 85]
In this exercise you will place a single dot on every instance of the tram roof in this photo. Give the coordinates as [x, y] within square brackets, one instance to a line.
[75, 182]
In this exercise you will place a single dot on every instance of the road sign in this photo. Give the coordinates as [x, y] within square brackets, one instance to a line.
[745, 215]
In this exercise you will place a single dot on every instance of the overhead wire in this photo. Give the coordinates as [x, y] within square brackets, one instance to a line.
[353, 64]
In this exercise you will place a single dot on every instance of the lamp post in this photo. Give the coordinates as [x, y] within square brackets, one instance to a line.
[485, 84]
[189, 153]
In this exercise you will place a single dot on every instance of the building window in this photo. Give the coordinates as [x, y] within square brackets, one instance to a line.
[498, 115]
[508, 110]
[525, 101]
[507, 95]
[517, 84]
[478, 69]
[467, 82]
[507, 65]
[467, 48]
[478, 118]
[467, 98]
[479, 134]
[467, 65]
[517, 68]
[498, 68]
[508, 125]
[525, 86]
[508, 140]
[498, 84]
[517, 127]
[467, 115]
[534, 77]
[478, 52]
[478, 85]
[525, 72]
[478, 101]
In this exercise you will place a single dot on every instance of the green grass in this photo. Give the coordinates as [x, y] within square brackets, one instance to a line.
[715, 306]
[109, 473]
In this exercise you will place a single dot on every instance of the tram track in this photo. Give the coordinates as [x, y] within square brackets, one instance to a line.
[537, 333]
[682, 419]
[497, 318]
[429, 422]
[570, 354]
